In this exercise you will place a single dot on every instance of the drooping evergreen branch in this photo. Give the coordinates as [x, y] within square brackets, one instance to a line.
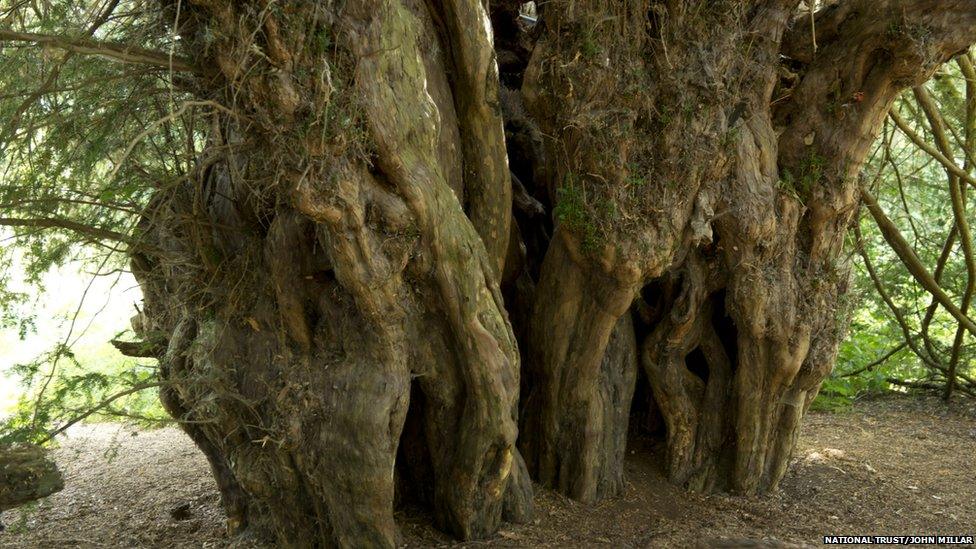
[877, 362]
[908, 338]
[97, 233]
[132, 390]
[930, 361]
[116, 52]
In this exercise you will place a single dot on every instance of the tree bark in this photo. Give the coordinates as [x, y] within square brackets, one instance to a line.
[723, 185]
[333, 270]
[576, 418]
[349, 248]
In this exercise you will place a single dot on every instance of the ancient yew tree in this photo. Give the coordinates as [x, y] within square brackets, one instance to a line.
[426, 251]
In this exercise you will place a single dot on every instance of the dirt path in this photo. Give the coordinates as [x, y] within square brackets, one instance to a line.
[898, 466]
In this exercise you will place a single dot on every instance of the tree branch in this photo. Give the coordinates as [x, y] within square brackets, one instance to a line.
[140, 349]
[862, 22]
[911, 261]
[116, 52]
[74, 226]
[924, 385]
[948, 164]
[99, 406]
[937, 124]
[868, 51]
[940, 266]
[881, 360]
[928, 360]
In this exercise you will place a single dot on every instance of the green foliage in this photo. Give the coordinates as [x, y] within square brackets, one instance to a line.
[83, 146]
[68, 156]
[635, 175]
[913, 190]
[865, 346]
[807, 175]
[79, 371]
[730, 137]
[70, 388]
[323, 40]
[571, 210]
[588, 45]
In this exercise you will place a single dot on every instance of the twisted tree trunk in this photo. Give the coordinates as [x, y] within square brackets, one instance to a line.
[330, 281]
[704, 159]
[348, 247]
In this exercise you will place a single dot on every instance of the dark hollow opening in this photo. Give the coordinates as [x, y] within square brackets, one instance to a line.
[645, 416]
[725, 327]
[696, 362]
[414, 482]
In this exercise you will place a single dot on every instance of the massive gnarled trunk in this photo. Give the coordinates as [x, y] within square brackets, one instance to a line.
[330, 280]
[347, 246]
[704, 162]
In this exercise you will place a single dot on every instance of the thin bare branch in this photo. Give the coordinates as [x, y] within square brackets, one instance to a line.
[911, 261]
[949, 165]
[937, 124]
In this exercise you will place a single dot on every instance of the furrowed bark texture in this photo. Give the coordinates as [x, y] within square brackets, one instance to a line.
[346, 248]
[697, 171]
[666, 187]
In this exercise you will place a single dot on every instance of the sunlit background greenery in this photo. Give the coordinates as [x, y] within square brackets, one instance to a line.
[71, 305]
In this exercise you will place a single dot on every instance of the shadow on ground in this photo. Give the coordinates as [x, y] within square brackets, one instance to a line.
[895, 466]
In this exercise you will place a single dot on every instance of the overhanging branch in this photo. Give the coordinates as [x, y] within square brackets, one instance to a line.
[868, 51]
[74, 226]
[116, 52]
[132, 390]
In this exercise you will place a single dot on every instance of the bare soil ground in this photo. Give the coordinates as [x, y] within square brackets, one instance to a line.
[898, 466]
